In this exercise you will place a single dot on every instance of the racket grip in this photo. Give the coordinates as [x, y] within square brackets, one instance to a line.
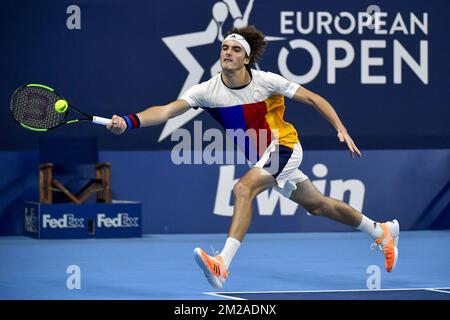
[100, 120]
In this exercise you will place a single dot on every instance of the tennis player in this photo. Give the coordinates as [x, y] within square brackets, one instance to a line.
[245, 98]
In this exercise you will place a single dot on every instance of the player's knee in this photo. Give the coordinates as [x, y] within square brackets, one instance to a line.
[318, 207]
[242, 190]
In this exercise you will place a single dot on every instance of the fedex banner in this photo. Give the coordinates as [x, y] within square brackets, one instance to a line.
[64, 221]
[383, 65]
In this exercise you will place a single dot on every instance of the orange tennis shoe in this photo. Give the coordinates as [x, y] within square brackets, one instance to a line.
[388, 243]
[213, 268]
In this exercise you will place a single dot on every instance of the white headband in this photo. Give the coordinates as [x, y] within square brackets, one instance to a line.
[241, 40]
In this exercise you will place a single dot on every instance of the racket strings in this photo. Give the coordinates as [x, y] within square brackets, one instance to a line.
[34, 107]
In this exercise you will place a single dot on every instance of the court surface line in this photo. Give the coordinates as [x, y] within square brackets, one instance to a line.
[437, 290]
[222, 296]
[226, 294]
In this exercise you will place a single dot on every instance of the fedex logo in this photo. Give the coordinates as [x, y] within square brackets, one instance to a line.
[122, 220]
[67, 221]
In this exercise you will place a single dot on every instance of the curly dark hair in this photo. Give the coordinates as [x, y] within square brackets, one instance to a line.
[255, 39]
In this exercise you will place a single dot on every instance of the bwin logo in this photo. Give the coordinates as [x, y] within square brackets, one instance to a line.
[67, 221]
[122, 220]
[267, 200]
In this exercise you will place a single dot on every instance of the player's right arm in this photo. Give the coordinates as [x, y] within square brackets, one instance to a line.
[151, 116]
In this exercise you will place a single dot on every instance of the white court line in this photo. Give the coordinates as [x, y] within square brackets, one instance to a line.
[222, 296]
[437, 290]
[229, 293]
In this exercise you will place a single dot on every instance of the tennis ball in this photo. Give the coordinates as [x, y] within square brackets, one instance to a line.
[61, 105]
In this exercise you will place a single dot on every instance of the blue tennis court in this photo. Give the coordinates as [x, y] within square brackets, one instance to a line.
[268, 266]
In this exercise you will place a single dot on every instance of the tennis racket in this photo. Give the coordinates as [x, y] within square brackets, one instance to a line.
[40, 108]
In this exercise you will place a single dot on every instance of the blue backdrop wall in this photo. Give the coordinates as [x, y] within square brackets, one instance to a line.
[388, 84]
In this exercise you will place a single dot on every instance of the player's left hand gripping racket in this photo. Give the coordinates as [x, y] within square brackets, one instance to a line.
[40, 108]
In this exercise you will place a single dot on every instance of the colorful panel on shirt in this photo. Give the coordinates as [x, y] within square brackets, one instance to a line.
[265, 117]
[281, 130]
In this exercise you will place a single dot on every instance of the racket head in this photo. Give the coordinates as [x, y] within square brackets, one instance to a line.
[33, 107]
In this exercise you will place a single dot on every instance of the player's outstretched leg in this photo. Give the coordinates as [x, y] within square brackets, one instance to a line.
[385, 234]
[245, 190]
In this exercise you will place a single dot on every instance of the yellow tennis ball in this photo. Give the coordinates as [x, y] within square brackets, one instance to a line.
[61, 105]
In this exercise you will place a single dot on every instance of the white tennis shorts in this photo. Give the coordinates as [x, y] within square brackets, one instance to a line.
[282, 163]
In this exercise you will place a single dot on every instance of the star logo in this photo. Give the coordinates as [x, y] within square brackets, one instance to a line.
[180, 44]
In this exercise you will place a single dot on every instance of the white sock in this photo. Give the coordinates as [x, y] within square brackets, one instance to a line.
[229, 250]
[371, 227]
